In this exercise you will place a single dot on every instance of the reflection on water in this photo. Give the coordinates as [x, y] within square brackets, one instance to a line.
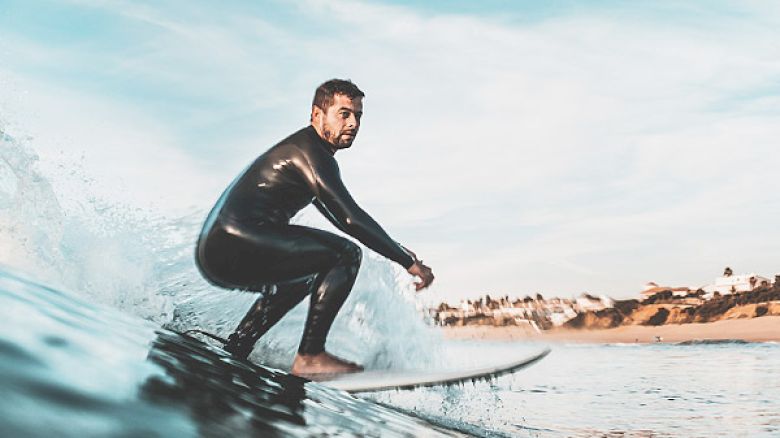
[222, 395]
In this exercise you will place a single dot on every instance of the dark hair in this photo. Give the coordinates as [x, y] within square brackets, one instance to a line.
[323, 97]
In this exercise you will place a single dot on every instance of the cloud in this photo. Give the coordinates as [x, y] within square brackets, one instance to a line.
[94, 148]
[585, 149]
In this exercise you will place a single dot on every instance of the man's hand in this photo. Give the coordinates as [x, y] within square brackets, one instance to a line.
[418, 269]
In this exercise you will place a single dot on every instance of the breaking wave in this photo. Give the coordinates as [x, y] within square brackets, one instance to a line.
[141, 262]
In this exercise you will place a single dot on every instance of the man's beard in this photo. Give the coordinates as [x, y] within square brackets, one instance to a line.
[336, 140]
[343, 144]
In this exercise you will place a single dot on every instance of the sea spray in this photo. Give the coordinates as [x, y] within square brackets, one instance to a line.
[30, 216]
[378, 325]
[86, 244]
[141, 262]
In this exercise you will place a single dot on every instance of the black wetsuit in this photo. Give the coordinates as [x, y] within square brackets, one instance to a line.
[248, 243]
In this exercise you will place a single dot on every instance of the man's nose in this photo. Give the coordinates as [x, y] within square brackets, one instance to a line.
[352, 121]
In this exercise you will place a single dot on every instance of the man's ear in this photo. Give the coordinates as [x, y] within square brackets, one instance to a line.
[316, 114]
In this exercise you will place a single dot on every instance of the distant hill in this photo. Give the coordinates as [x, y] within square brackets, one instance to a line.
[664, 308]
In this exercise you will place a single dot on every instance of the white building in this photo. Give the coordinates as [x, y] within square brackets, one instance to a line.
[728, 284]
[584, 302]
[560, 315]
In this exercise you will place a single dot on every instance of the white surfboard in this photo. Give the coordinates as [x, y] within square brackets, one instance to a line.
[378, 380]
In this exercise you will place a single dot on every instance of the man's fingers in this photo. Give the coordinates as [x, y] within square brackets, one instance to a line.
[424, 273]
[424, 283]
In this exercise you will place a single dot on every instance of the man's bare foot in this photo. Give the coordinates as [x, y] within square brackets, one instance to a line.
[322, 364]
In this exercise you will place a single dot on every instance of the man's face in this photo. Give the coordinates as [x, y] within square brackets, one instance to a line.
[340, 122]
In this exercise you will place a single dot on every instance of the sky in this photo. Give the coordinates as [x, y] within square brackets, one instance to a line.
[518, 147]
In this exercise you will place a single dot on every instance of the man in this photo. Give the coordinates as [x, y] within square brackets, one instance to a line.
[248, 243]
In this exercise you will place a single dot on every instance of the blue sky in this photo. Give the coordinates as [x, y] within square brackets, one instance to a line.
[518, 147]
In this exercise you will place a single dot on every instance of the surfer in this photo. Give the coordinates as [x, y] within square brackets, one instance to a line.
[248, 243]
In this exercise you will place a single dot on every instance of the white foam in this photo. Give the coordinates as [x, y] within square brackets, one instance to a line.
[141, 261]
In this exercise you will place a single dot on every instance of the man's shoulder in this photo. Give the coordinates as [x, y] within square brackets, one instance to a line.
[306, 141]
[299, 137]
[293, 143]
[300, 148]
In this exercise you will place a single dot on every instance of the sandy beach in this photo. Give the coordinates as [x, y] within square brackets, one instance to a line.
[762, 329]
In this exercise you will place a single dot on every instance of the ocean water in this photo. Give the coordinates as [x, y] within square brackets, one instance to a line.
[659, 390]
[91, 291]
[72, 368]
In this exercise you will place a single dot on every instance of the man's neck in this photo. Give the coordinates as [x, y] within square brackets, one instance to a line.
[326, 143]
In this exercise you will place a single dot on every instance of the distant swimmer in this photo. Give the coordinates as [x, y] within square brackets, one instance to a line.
[248, 243]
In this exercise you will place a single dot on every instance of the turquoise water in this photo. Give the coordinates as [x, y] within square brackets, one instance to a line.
[725, 390]
[70, 368]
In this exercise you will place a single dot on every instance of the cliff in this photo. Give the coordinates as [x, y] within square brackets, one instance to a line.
[664, 308]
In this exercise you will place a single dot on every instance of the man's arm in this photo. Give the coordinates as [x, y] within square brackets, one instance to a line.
[418, 268]
[328, 215]
[338, 206]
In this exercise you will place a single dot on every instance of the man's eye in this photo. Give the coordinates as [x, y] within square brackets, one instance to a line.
[344, 114]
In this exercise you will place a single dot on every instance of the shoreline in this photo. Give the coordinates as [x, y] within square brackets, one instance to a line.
[761, 329]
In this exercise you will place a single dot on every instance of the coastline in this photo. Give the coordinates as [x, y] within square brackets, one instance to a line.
[762, 329]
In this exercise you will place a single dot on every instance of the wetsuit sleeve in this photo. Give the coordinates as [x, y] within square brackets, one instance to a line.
[328, 215]
[336, 204]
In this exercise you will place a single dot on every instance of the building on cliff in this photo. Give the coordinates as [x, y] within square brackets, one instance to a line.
[587, 302]
[728, 284]
[538, 313]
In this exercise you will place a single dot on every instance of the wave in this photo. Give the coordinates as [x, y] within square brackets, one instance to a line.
[72, 368]
[713, 342]
[58, 231]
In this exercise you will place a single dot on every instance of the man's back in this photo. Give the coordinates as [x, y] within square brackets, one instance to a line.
[279, 183]
[288, 177]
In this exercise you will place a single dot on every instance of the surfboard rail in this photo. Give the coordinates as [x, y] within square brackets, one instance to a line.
[380, 380]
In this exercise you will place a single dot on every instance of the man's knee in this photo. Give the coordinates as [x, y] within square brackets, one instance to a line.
[351, 254]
